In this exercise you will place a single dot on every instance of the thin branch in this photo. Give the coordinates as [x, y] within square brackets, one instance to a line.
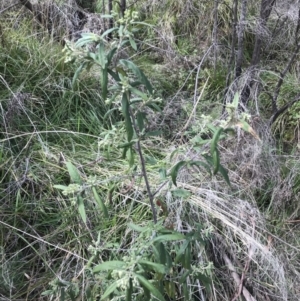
[283, 109]
[143, 165]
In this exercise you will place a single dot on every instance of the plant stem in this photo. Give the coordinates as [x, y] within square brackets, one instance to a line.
[143, 165]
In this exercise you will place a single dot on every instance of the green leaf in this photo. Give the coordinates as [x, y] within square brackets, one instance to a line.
[184, 276]
[129, 290]
[138, 93]
[224, 173]
[162, 173]
[114, 75]
[130, 156]
[109, 265]
[175, 169]
[169, 237]
[153, 106]
[100, 202]
[202, 164]
[77, 72]
[61, 187]
[74, 173]
[127, 144]
[110, 55]
[170, 289]
[104, 83]
[235, 101]
[149, 286]
[132, 43]
[204, 280]
[181, 251]
[157, 267]
[109, 112]
[137, 228]
[81, 208]
[140, 117]
[215, 140]
[186, 262]
[110, 290]
[87, 38]
[161, 252]
[126, 114]
[216, 161]
[138, 73]
[108, 31]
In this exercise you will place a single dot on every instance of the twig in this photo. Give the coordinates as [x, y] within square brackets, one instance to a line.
[237, 278]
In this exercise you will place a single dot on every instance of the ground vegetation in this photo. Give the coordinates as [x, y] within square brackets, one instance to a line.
[149, 150]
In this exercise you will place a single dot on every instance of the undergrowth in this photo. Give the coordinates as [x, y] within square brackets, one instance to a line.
[77, 222]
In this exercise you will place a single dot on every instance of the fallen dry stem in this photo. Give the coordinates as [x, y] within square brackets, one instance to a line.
[237, 278]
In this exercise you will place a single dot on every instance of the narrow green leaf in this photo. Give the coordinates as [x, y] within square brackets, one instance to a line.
[74, 173]
[216, 161]
[224, 173]
[181, 251]
[170, 289]
[137, 228]
[184, 276]
[138, 73]
[127, 144]
[110, 55]
[186, 292]
[169, 237]
[104, 83]
[235, 101]
[140, 117]
[153, 106]
[60, 187]
[62, 294]
[132, 43]
[186, 263]
[81, 208]
[130, 156]
[148, 285]
[157, 267]
[77, 72]
[114, 75]
[162, 258]
[109, 112]
[162, 173]
[108, 31]
[110, 290]
[215, 140]
[138, 93]
[100, 202]
[204, 280]
[126, 114]
[109, 265]
[175, 169]
[129, 290]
